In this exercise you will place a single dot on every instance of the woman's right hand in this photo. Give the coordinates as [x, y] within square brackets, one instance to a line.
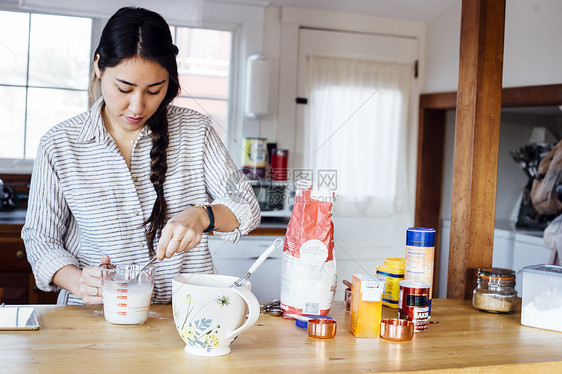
[90, 283]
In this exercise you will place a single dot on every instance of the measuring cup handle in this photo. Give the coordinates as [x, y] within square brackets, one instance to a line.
[253, 310]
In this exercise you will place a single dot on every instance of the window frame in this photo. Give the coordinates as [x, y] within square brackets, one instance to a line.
[231, 76]
[244, 20]
[25, 165]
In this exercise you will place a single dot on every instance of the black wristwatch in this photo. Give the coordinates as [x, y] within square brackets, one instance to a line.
[209, 210]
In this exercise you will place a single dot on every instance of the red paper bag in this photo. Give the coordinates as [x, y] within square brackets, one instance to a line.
[309, 273]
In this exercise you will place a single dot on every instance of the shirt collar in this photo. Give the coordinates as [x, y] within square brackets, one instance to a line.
[93, 128]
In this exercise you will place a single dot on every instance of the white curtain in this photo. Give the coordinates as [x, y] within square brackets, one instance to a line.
[356, 124]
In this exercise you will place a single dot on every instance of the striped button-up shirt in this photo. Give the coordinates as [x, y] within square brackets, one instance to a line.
[84, 202]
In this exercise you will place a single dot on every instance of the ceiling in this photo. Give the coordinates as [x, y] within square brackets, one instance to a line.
[414, 10]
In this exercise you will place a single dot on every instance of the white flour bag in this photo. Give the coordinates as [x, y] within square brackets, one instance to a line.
[308, 275]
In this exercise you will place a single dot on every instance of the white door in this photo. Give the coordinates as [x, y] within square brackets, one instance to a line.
[348, 45]
[361, 243]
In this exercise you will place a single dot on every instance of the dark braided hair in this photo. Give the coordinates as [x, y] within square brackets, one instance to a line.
[139, 32]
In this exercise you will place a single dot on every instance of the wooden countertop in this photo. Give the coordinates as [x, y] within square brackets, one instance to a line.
[78, 339]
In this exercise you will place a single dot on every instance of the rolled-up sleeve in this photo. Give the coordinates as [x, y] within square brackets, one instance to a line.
[46, 223]
[228, 186]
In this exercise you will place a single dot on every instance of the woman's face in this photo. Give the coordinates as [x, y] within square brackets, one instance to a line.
[132, 91]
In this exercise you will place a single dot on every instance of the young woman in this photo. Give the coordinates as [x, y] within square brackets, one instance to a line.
[131, 178]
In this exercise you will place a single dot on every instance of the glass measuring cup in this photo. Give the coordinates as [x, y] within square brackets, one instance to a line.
[126, 297]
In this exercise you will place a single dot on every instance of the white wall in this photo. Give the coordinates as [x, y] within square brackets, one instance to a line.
[442, 51]
[532, 47]
[533, 42]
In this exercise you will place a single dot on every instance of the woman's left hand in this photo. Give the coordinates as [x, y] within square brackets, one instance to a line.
[183, 232]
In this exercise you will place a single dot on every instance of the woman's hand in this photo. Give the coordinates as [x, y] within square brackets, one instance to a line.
[90, 283]
[183, 232]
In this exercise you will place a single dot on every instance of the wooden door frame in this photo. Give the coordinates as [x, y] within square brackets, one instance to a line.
[431, 147]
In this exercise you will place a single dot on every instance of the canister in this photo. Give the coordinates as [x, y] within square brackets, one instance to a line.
[541, 304]
[391, 272]
[254, 157]
[279, 160]
[395, 263]
[420, 254]
[413, 303]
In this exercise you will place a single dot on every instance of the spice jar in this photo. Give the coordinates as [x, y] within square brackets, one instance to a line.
[494, 292]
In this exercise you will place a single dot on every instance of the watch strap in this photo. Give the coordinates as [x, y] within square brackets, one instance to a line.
[209, 209]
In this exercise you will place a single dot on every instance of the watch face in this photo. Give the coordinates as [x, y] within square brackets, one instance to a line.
[204, 206]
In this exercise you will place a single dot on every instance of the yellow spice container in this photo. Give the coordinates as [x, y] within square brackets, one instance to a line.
[392, 272]
[395, 263]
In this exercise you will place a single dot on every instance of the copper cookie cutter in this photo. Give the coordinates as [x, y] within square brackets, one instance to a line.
[397, 330]
[317, 326]
[322, 328]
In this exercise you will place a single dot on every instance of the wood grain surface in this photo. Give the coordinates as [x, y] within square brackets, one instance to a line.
[77, 339]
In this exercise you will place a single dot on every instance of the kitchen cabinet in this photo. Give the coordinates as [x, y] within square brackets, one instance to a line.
[235, 259]
[527, 250]
[513, 249]
[17, 284]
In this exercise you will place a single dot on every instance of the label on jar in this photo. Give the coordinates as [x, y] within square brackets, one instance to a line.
[413, 303]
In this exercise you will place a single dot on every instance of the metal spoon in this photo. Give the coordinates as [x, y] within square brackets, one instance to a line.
[148, 263]
[135, 279]
[240, 281]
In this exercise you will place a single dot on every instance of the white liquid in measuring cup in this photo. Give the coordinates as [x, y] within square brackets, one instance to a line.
[126, 305]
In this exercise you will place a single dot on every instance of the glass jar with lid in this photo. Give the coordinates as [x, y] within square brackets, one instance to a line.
[495, 290]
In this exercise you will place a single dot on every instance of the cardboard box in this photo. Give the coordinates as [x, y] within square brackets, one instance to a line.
[541, 304]
[366, 306]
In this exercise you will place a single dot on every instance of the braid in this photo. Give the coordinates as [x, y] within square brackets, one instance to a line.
[158, 168]
[133, 32]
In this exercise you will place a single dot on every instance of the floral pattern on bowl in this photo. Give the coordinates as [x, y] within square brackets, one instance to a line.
[201, 332]
[209, 314]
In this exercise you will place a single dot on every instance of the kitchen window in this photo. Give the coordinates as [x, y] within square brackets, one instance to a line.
[43, 76]
[45, 69]
[204, 70]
